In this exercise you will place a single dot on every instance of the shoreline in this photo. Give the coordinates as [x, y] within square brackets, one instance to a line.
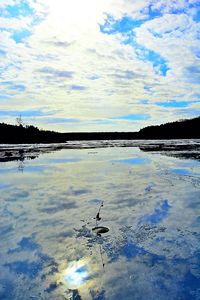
[185, 148]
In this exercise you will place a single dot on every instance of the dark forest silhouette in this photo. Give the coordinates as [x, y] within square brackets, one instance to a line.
[184, 129]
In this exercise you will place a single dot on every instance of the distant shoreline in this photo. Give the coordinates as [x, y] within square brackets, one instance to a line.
[185, 129]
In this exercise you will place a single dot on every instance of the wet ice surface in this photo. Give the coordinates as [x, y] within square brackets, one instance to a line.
[151, 206]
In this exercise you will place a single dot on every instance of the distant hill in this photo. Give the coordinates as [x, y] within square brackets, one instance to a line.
[27, 134]
[184, 129]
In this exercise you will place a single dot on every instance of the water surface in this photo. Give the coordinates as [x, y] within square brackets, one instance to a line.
[151, 206]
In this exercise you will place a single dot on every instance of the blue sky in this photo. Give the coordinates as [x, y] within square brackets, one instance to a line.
[99, 65]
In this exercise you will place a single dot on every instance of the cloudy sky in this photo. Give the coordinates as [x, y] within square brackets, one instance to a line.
[99, 65]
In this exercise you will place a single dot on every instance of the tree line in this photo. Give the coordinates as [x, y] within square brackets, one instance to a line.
[30, 134]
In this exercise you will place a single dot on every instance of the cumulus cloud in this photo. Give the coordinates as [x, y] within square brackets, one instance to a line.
[15, 23]
[68, 62]
[5, 3]
[54, 72]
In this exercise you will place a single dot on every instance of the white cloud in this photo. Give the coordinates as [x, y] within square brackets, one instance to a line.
[69, 47]
[173, 37]
[5, 3]
[15, 23]
[170, 5]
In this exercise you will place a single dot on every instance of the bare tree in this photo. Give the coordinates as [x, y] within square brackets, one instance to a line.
[19, 121]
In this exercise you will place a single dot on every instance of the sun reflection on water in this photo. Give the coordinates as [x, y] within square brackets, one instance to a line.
[79, 275]
[76, 274]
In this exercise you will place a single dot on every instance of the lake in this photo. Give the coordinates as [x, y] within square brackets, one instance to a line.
[52, 199]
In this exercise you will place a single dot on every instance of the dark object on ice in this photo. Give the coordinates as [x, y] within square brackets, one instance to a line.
[21, 151]
[100, 229]
[98, 218]
[8, 154]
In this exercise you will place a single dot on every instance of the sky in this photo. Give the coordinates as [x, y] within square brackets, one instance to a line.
[99, 65]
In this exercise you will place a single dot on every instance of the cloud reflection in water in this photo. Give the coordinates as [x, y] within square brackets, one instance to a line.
[150, 247]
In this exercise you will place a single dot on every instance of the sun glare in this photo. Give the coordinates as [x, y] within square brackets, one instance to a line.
[74, 9]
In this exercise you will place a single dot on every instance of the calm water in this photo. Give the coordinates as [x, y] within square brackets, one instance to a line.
[151, 205]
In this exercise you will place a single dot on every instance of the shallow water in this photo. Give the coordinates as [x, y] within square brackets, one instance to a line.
[151, 206]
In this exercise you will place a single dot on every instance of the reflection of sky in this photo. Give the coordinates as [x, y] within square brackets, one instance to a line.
[47, 215]
[132, 161]
[26, 244]
[130, 250]
[182, 171]
[187, 171]
[4, 185]
[160, 213]
[76, 275]
[64, 160]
